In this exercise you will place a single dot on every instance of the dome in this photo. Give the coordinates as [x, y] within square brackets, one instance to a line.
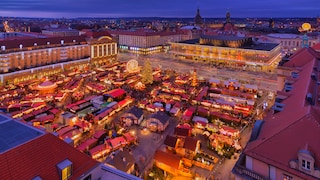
[47, 85]
[191, 27]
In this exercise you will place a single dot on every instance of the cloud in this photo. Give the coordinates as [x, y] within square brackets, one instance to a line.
[164, 8]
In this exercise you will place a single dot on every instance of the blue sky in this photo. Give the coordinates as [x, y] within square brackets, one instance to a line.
[159, 8]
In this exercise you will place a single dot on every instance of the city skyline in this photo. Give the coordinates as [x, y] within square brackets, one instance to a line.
[165, 8]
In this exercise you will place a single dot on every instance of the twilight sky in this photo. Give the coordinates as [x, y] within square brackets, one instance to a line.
[159, 8]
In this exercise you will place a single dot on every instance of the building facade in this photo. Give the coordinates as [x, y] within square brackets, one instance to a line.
[103, 49]
[61, 32]
[229, 51]
[283, 145]
[26, 58]
[290, 42]
[144, 41]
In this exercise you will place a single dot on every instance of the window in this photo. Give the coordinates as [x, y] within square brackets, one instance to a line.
[66, 173]
[306, 165]
[65, 169]
[287, 177]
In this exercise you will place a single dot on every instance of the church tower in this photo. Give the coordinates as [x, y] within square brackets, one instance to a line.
[228, 19]
[271, 23]
[198, 18]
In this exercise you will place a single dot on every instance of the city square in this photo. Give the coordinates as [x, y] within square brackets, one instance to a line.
[169, 90]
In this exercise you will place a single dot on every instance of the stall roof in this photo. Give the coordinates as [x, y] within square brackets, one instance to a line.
[199, 119]
[115, 93]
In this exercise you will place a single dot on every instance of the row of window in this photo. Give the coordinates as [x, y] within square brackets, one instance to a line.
[296, 43]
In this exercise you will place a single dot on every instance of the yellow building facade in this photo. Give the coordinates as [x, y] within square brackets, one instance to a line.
[232, 52]
[30, 58]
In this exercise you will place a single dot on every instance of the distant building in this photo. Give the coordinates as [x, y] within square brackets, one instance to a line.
[229, 51]
[289, 42]
[61, 32]
[284, 145]
[271, 23]
[198, 18]
[144, 41]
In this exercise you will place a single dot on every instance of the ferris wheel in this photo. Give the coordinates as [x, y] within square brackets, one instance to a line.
[132, 66]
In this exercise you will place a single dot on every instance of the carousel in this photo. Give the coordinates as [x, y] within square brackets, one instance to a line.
[47, 87]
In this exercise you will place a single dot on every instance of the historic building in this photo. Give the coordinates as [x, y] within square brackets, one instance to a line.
[103, 48]
[27, 152]
[285, 144]
[28, 57]
[198, 18]
[291, 42]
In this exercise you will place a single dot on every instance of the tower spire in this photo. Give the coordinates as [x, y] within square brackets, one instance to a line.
[198, 18]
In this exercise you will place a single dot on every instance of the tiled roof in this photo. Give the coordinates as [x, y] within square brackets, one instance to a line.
[40, 157]
[116, 93]
[316, 47]
[123, 160]
[171, 141]
[190, 143]
[180, 131]
[167, 159]
[136, 111]
[97, 34]
[301, 57]
[161, 116]
[15, 43]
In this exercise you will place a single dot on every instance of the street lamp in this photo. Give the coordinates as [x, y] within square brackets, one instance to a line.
[132, 132]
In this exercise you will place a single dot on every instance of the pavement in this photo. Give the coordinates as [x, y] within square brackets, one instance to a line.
[223, 169]
[149, 142]
[167, 61]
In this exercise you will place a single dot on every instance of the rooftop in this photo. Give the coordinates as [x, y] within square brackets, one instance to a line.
[48, 41]
[223, 37]
[13, 133]
[273, 145]
[34, 153]
[284, 36]
[3, 118]
[254, 46]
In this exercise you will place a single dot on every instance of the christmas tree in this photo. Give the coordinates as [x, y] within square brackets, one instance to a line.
[194, 81]
[146, 73]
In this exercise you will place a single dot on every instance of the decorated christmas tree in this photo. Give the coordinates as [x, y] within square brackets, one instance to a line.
[146, 73]
[194, 81]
